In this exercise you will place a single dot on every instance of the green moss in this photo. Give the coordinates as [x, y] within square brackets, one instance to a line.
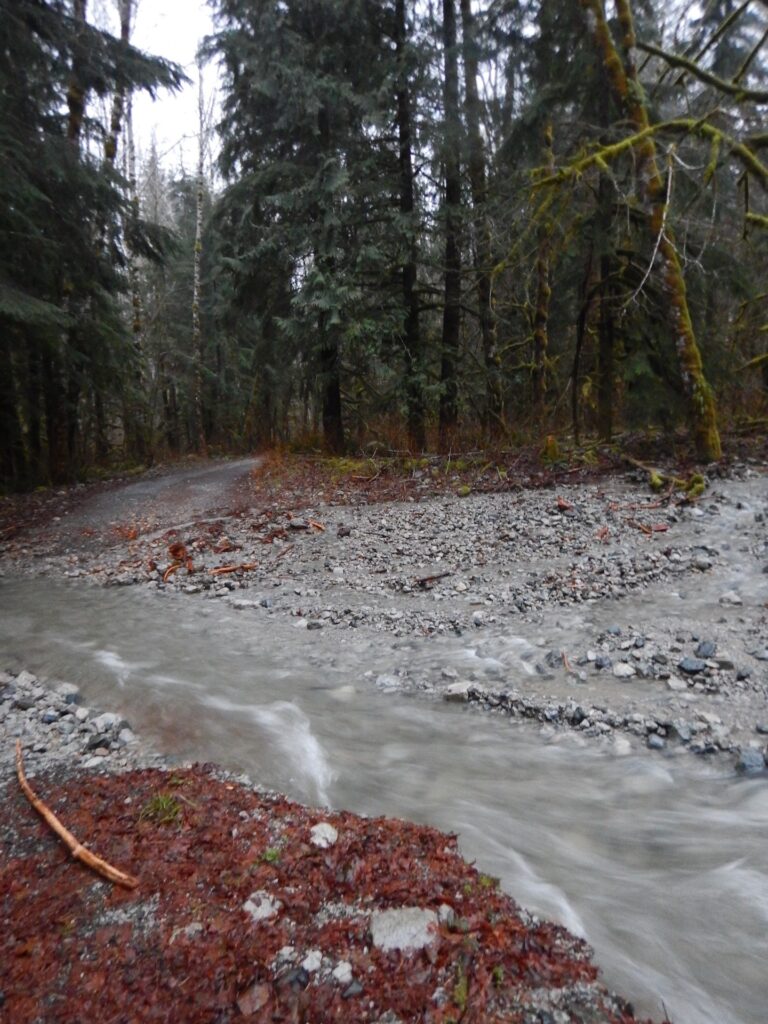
[497, 976]
[488, 882]
[464, 491]
[655, 480]
[271, 855]
[695, 486]
[551, 450]
[461, 988]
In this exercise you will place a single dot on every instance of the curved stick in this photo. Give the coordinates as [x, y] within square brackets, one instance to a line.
[75, 848]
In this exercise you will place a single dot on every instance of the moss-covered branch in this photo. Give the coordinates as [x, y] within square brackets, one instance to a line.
[731, 88]
[678, 126]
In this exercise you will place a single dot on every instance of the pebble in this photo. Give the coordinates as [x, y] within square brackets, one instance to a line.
[323, 835]
[403, 928]
[262, 906]
[691, 666]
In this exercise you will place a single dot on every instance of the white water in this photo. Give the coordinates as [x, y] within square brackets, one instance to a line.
[662, 865]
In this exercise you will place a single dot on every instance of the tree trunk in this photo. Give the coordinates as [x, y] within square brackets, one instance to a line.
[414, 357]
[543, 296]
[76, 93]
[333, 424]
[451, 210]
[197, 334]
[118, 100]
[13, 462]
[494, 401]
[625, 84]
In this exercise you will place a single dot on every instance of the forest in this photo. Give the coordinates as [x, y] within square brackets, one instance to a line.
[429, 226]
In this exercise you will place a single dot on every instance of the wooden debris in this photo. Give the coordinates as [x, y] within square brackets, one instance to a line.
[285, 550]
[424, 581]
[170, 571]
[78, 851]
[178, 552]
[224, 570]
[563, 505]
[317, 526]
[603, 534]
[640, 526]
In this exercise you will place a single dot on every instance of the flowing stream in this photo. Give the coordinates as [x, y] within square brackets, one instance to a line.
[661, 864]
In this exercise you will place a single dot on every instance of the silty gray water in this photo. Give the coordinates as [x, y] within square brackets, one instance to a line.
[662, 865]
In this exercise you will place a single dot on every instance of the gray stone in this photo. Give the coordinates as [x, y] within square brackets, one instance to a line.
[603, 661]
[762, 728]
[750, 761]
[49, 717]
[25, 678]
[69, 692]
[403, 928]
[655, 742]
[691, 665]
[705, 649]
[761, 653]
[457, 692]
[730, 597]
[108, 721]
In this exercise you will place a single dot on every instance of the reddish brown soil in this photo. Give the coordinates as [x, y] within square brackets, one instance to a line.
[74, 948]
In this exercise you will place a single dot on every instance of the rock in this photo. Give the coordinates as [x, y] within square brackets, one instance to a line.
[750, 761]
[622, 746]
[312, 961]
[69, 692]
[730, 597]
[24, 703]
[108, 721]
[323, 835]
[457, 692]
[94, 762]
[403, 928]
[655, 742]
[613, 630]
[603, 661]
[682, 730]
[705, 649]
[702, 563]
[314, 624]
[762, 728]
[262, 906]
[25, 678]
[126, 737]
[691, 665]
[49, 717]
[342, 973]
[622, 670]
[761, 653]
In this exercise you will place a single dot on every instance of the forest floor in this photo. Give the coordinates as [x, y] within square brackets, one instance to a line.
[299, 914]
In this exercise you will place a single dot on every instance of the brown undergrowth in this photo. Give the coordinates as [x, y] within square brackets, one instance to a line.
[182, 948]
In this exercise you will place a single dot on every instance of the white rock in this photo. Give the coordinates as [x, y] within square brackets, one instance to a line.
[622, 670]
[342, 973]
[25, 678]
[731, 597]
[94, 762]
[621, 746]
[312, 961]
[674, 683]
[403, 928]
[261, 906]
[323, 835]
[457, 692]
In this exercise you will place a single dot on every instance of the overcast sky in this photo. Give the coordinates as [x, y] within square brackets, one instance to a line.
[172, 29]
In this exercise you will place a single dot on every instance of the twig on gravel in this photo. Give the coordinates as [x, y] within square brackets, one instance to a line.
[224, 570]
[76, 848]
[424, 581]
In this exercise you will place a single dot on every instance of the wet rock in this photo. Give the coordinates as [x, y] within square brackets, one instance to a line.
[750, 761]
[731, 597]
[603, 661]
[403, 928]
[691, 666]
[761, 653]
[69, 692]
[762, 728]
[457, 692]
[352, 990]
[108, 721]
[655, 742]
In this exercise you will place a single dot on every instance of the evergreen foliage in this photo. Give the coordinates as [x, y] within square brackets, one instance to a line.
[432, 224]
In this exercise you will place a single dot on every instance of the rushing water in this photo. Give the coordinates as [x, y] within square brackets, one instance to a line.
[662, 865]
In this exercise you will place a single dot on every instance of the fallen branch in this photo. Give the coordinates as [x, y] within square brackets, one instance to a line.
[285, 550]
[424, 581]
[317, 526]
[78, 851]
[224, 570]
[170, 571]
[640, 526]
